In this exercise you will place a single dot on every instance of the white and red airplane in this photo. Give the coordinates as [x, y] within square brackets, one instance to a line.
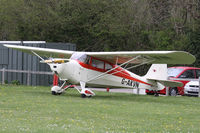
[108, 69]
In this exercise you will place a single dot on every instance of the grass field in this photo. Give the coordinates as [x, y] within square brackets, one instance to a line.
[34, 109]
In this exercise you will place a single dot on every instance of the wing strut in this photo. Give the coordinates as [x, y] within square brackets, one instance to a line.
[37, 55]
[134, 66]
[100, 75]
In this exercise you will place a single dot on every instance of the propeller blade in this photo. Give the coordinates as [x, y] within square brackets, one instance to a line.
[53, 60]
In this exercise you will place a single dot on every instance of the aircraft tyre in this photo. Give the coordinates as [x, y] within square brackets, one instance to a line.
[150, 93]
[173, 92]
[55, 90]
[53, 93]
[83, 95]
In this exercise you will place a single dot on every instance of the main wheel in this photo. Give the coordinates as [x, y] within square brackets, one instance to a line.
[83, 95]
[173, 92]
[55, 90]
[53, 93]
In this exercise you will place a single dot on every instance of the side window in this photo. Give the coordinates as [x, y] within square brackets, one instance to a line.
[108, 66]
[187, 74]
[97, 63]
[87, 61]
[197, 73]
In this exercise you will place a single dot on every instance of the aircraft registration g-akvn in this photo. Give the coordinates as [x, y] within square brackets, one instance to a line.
[108, 69]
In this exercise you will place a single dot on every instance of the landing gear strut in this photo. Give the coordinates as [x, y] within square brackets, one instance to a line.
[85, 92]
[56, 90]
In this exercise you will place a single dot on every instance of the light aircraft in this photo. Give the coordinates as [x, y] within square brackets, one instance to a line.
[108, 69]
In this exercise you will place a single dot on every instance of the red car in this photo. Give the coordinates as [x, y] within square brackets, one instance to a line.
[181, 74]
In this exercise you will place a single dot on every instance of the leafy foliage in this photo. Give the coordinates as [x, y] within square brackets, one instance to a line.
[194, 43]
[15, 82]
[104, 25]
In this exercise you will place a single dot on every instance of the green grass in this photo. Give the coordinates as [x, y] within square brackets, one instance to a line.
[34, 109]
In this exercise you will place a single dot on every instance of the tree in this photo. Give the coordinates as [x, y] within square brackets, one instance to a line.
[194, 44]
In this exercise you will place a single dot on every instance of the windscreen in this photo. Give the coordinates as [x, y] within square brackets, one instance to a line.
[79, 56]
[173, 72]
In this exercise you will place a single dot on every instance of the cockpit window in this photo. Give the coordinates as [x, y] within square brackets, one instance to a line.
[108, 66]
[82, 57]
[97, 63]
[79, 56]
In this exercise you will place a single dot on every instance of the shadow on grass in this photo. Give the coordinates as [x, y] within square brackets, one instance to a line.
[104, 96]
[180, 100]
[48, 93]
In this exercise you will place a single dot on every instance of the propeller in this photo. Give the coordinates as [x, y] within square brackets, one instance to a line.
[51, 60]
[55, 60]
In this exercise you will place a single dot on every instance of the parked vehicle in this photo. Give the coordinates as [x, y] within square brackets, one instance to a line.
[192, 88]
[181, 74]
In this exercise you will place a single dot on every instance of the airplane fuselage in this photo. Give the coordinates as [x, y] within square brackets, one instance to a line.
[75, 71]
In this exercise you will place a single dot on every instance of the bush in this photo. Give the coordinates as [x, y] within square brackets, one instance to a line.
[15, 82]
[6, 81]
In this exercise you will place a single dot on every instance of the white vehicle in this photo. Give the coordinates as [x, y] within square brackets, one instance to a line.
[192, 88]
[105, 69]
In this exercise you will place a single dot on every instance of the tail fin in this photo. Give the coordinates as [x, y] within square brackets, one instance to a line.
[158, 73]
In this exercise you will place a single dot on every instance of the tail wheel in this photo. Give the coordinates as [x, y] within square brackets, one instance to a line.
[173, 92]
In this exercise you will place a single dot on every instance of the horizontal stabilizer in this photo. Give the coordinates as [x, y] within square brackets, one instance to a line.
[168, 83]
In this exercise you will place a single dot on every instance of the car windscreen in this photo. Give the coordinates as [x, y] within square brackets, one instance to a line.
[173, 72]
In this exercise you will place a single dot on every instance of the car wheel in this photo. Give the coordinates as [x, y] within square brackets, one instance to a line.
[173, 92]
[150, 93]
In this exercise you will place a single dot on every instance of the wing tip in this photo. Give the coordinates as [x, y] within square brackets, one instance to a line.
[183, 57]
[10, 46]
[6, 45]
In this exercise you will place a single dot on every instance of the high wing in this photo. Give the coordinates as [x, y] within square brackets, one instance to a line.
[156, 57]
[46, 52]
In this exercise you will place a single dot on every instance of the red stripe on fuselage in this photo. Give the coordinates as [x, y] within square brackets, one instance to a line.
[119, 72]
